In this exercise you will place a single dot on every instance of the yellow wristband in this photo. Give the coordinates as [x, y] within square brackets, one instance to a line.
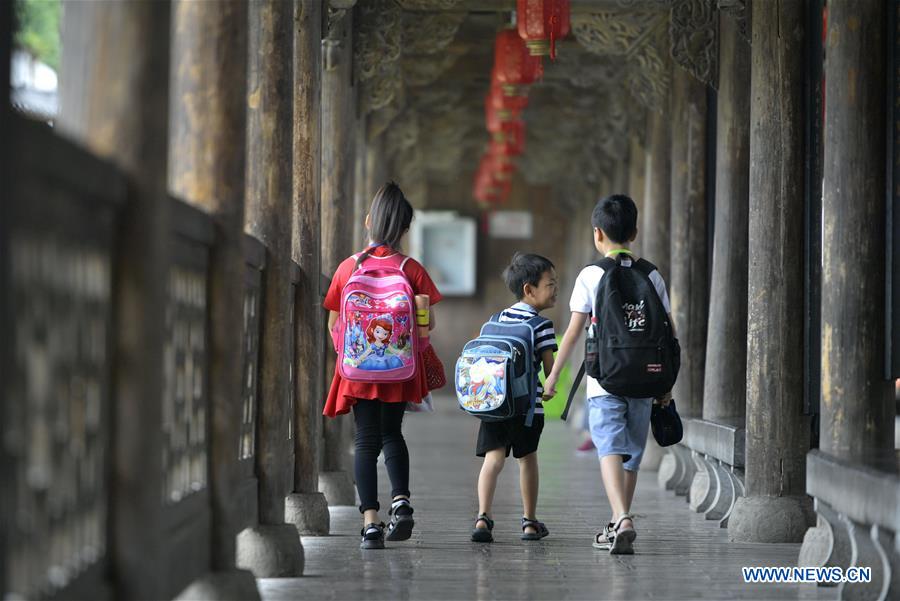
[422, 318]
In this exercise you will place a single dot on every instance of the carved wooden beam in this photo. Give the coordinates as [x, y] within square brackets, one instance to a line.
[694, 30]
[332, 34]
[378, 37]
[423, 70]
[428, 4]
[377, 46]
[739, 10]
[631, 37]
[429, 33]
[576, 6]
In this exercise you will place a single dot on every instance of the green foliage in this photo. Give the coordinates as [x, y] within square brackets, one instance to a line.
[38, 29]
[554, 407]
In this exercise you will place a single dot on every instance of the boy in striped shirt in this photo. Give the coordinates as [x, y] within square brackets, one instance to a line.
[532, 279]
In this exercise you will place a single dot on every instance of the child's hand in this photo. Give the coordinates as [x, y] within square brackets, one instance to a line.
[665, 399]
[550, 387]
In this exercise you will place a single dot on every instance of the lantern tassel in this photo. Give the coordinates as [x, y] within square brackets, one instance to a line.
[554, 21]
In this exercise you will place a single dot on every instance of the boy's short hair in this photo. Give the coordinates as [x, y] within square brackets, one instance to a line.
[616, 215]
[525, 268]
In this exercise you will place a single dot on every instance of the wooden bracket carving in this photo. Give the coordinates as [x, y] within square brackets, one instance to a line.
[694, 30]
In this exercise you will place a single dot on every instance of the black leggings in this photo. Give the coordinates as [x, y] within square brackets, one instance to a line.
[378, 426]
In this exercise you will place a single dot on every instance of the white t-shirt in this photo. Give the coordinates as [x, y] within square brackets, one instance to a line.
[582, 301]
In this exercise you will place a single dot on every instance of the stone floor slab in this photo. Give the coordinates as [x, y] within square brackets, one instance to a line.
[680, 555]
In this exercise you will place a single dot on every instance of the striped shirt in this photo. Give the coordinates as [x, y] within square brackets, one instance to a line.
[544, 339]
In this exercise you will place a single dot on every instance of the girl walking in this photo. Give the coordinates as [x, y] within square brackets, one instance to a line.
[377, 405]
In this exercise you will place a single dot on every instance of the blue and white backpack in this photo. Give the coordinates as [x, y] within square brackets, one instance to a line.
[495, 374]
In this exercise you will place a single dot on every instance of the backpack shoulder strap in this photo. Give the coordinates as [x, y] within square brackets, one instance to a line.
[573, 391]
[535, 321]
[645, 267]
[606, 263]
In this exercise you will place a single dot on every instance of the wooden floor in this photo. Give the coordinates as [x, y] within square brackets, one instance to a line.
[679, 555]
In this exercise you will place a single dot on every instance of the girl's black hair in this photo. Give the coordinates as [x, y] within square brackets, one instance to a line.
[389, 218]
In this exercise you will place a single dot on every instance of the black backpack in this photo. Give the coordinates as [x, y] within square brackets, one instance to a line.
[630, 347]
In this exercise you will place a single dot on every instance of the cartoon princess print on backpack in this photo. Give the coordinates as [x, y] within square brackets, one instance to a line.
[377, 342]
[381, 354]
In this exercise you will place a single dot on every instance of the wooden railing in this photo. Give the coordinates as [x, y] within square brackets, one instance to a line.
[293, 365]
[247, 487]
[58, 404]
[185, 402]
[55, 423]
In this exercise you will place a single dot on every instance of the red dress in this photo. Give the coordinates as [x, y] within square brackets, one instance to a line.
[344, 393]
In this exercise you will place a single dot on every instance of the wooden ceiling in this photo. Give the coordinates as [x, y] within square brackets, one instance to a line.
[423, 68]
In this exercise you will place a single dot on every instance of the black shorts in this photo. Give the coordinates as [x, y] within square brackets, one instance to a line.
[510, 434]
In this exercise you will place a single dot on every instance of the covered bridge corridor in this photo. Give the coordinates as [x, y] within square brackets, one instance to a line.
[167, 238]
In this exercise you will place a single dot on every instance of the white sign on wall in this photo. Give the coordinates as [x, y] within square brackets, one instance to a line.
[510, 224]
[445, 243]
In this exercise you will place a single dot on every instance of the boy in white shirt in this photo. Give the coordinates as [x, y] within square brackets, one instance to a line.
[618, 425]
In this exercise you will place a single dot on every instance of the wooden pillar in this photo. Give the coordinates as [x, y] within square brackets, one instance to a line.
[116, 104]
[775, 508]
[7, 474]
[857, 401]
[620, 176]
[376, 168]
[307, 508]
[725, 386]
[338, 115]
[853, 474]
[637, 167]
[273, 548]
[361, 201]
[206, 168]
[653, 218]
[657, 186]
[688, 251]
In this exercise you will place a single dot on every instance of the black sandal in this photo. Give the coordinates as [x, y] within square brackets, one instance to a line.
[483, 535]
[372, 536]
[402, 522]
[542, 530]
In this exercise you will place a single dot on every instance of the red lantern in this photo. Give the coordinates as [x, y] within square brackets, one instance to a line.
[541, 23]
[514, 66]
[511, 137]
[500, 161]
[499, 108]
[488, 187]
[515, 103]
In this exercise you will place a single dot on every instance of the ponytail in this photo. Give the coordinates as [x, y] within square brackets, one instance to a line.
[389, 218]
[365, 255]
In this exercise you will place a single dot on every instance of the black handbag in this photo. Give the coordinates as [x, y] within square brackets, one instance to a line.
[666, 424]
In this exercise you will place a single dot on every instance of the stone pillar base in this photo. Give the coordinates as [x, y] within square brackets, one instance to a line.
[271, 551]
[770, 519]
[233, 585]
[337, 487]
[308, 512]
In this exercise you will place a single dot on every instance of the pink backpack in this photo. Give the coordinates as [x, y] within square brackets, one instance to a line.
[376, 338]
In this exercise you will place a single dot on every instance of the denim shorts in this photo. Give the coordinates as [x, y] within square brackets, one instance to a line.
[619, 426]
